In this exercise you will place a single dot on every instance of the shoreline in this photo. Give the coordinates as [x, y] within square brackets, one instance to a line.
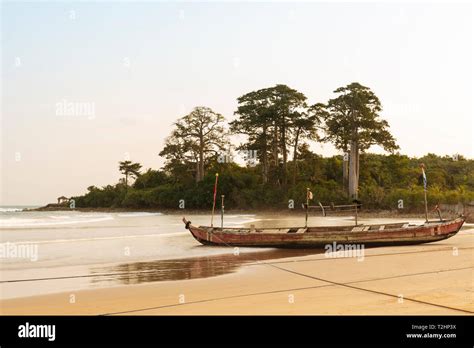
[394, 214]
[375, 213]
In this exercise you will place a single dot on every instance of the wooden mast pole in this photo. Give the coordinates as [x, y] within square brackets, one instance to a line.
[214, 202]
[426, 208]
[356, 213]
[307, 207]
[424, 187]
[222, 211]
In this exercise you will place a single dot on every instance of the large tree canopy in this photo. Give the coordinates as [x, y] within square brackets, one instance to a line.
[197, 137]
[274, 120]
[352, 123]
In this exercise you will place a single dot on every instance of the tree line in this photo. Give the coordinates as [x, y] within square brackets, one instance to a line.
[279, 125]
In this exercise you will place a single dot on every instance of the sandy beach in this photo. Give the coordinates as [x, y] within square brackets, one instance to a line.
[431, 279]
[195, 172]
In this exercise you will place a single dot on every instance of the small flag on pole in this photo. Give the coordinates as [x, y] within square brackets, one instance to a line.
[424, 175]
[310, 195]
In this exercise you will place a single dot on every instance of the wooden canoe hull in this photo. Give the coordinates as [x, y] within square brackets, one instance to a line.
[314, 237]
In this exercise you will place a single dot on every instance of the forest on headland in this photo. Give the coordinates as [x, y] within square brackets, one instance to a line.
[274, 165]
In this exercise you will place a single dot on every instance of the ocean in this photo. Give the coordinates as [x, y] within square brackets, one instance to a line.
[82, 238]
[42, 244]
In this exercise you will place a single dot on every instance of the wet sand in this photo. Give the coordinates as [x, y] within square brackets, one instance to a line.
[431, 279]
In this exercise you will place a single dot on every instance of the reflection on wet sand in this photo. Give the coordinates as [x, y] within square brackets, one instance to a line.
[190, 268]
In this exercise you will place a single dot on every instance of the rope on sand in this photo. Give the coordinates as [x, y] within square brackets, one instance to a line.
[296, 289]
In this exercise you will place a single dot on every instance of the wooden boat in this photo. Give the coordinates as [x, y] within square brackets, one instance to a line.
[312, 237]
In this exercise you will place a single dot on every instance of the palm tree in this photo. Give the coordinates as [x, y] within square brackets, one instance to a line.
[129, 169]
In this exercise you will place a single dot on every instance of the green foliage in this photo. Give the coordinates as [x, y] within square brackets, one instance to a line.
[384, 181]
[151, 178]
[108, 196]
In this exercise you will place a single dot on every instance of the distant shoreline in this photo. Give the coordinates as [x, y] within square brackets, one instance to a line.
[372, 213]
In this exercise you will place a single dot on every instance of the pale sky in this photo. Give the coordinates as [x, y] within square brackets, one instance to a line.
[140, 66]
